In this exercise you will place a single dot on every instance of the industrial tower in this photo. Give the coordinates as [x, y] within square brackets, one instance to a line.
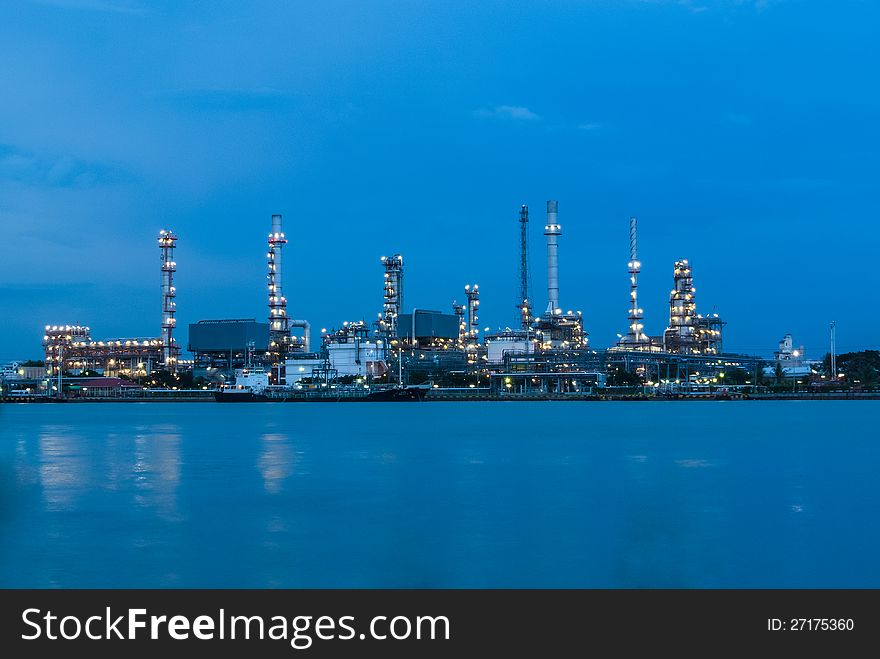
[524, 306]
[679, 336]
[167, 243]
[279, 324]
[393, 294]
[635, 338]
[473, 303]
[555, 329]
[552, 230]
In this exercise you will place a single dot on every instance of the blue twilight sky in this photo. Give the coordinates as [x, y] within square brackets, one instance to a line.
[742, 133]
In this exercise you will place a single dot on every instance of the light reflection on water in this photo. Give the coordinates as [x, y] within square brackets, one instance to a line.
[445, 495]
[276, 461]
[63, 467]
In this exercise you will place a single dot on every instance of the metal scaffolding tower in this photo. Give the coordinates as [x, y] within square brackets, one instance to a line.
[393, 294]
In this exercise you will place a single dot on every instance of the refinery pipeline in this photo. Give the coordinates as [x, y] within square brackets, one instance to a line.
[414, 354]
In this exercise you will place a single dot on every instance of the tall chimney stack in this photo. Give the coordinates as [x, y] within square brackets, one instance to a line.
[552, 231]
[524, 305]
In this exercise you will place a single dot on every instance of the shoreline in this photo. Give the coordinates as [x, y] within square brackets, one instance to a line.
[508, 398]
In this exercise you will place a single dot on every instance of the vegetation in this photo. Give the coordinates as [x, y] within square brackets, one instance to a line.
[861, 370]
[759, 377]
[620, 377]
[737, 376]
[779, 373]
[166, 380]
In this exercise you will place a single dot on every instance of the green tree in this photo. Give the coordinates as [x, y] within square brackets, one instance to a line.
[620, 377]
[737, 376]
[779, 373]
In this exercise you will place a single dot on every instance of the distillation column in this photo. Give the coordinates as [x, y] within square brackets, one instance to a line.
[473, 303]
[680, 337]
[279, 324]
[393, 295]
[167, 243]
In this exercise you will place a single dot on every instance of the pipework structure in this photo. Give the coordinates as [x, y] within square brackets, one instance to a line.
[393, 295]
[552, 230]
[170, 351]
[708, 334]
[57, 341]
[524, 306]
[71, 348]
[459, 310]
[279, 324]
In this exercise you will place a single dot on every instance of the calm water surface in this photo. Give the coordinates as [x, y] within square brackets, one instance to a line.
[689, 494]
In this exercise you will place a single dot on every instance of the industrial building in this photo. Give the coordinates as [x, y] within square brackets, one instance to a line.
[219, 347]
[791, 360]
[348, 352]
[71, 349]
[428, 329]
[689, 333]
[546, 353]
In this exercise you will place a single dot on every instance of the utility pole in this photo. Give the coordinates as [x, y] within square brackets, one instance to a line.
[834, 351]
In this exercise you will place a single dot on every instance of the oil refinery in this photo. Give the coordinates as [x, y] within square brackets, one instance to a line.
[424, 353]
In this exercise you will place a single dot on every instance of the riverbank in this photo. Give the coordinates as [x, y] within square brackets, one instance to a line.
[440, 396]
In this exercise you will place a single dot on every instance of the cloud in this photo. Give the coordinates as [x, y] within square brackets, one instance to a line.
[107, 6]
[589, 126]
[56, 171]
[516, 112]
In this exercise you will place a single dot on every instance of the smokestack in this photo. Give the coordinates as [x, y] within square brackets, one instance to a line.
[552, 230]
[524, 306]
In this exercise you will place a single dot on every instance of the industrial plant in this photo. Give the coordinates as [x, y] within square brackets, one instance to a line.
[430, 354]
